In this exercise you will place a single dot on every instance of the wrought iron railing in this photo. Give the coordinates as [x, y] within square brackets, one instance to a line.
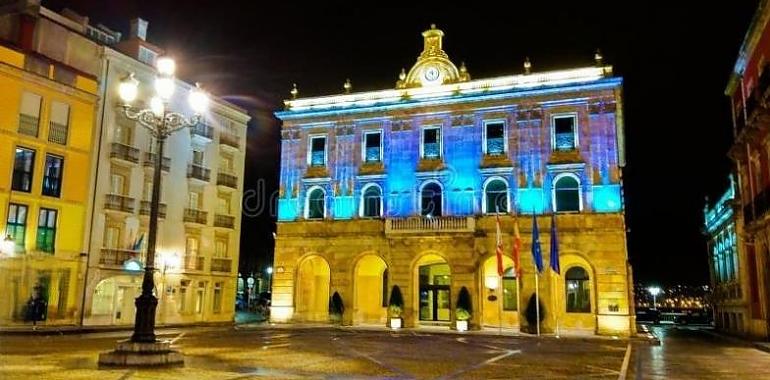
[565, 141]
[224, 221]
[196, 216]
[144, 209]
[119, 202]
[431, 151]
[149, 161]
[432, 224]
[28, 125]
[227, 179]
[124, 152]
[230, 139]
[194, 262]
[221, 265]
[202, 130]
[57, 133]
[198, 172]
[495, 146]
[116, 257]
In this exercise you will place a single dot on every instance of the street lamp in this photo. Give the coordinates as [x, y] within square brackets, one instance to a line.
[161, 123]
[9, 245]
[654, 290]
[269, 279]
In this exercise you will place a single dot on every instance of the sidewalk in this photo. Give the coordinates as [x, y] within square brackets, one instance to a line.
[759, 345]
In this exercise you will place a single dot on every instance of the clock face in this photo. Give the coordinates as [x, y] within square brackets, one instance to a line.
[431, 74]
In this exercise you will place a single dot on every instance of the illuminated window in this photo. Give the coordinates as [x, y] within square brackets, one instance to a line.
[316, 205]
[431, 143]
[578, 290]
[16, 226]
[372, 202]
[46, 230]
[217, 304]
[566, 193]
[494, 138]
[52, 175]
[431, 200]
[317, 151]
[510, 297]
[372, 146]
[564, 132]
[22, 170]
[496, 197]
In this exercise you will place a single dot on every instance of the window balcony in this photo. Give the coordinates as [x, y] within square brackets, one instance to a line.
[431, 151]
[227, 180]
[372, 155]
[564, 141]
[224, 221]
[28, 125]
[201, 133]
[57, 133]
[195, 216]
[116, 257]
[229, 140]
[120, 203]
[149, 162]
[221, 265]
[144, 209]
[194, 262]
[416, 225]
[124, 152]
[198, 172]
[495, 146]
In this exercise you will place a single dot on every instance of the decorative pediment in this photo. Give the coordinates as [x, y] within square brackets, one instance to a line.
[433, 66]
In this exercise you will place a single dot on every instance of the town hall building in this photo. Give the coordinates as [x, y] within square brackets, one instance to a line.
[403, 187]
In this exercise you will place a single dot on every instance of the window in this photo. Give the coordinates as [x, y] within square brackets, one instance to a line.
[191, 246]
[197, 158]
[431, 143]
[183, 285]
[29, 115]
[17, 224]
[564, 132]
[510, 297]
[223, 204]
[496, 197]
[317, 155]
[193, 200]
[22, 170]
[431, 200]
[124, 132]
[46, 230]
[373, 146]
[59, 125]
[316, 207]
[199, 297]
[372, 202]
[52, 175]
[566, 193]
[147, 56]
[578, 291]
[220, 246]
[494, 138]
[117, 184]
[112, 237]
[217, 297]
[147, 189]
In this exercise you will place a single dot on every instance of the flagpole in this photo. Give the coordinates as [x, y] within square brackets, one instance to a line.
[500, 307]
[537, 301]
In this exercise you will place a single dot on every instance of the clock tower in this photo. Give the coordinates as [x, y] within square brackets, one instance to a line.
[433, 67]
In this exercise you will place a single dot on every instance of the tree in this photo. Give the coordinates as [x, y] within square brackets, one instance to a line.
[464, 306]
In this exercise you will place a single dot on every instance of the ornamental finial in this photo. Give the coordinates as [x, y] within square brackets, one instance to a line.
[347, 86]
[527, 66]
[598, 57]
[294, 91]
[402, 74]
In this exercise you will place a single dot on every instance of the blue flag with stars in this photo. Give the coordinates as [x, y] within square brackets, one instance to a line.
[554, 246]
[537, 254]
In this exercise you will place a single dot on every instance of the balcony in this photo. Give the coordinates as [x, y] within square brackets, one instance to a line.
[148, 161]
[416, 225]
[194, 263]
[144, 209]
[195, 216]
[57, 133]
[116, 257]
[124, 152]
[221, 265]
[28, 125]
[198, 172]
[201, 133]
[227, 180]
[230, 140]
[224, 221]
[121, 203]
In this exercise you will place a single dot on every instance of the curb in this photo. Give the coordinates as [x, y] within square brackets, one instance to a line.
[74, 330]
[647, 336]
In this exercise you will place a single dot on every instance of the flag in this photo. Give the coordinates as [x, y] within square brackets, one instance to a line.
[138, 243]
[554, 246]
[537, 254]
[516, 247]
[499, 249]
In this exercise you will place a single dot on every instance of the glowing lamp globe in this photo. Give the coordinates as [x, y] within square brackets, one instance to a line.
[164, 87]
[157, 106]
[269, 270]
[166, 66]
[491, 282]
[199, 100]
[654, 290]
[128, 89]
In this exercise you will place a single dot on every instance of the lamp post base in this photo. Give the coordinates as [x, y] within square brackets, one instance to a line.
[135, 354]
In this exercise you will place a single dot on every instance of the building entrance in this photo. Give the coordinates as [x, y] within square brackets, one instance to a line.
[434, 293]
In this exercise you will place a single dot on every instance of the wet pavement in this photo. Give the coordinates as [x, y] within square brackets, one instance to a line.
[321, 353]
[697, 353]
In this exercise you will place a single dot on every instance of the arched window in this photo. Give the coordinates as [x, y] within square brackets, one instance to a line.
[578, 290]
[371, 202]
[510, 296]
[496, 197]
[316, 204]
[431, 199]
[566, 193]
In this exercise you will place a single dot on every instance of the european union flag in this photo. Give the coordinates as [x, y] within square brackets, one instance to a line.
[537, 254]
[554, 246]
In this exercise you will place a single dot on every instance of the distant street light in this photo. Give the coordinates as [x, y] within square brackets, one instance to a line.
[654, 290]
[270, 279]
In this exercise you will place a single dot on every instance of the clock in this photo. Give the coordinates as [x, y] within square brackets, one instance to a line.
[431, 75]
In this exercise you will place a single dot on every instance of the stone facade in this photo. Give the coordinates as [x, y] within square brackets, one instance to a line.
[404, 187]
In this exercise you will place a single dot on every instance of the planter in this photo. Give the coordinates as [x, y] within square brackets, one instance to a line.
[461, 325]
[395, 323]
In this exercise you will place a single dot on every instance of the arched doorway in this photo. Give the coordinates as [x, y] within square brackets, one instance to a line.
[312, 295]
[434, 299]
[113, 300]
[370, 283]
[503, 308]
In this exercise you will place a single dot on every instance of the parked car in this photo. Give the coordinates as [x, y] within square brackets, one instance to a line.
[698, 317]
[645, 315]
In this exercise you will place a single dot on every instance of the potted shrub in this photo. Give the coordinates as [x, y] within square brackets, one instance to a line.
[463, 310]
[336, 308]
[395, 308]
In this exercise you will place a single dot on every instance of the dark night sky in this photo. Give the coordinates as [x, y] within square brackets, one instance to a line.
[675, 60]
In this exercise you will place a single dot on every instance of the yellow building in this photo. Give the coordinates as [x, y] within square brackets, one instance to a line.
[403, 187]
[46, 129]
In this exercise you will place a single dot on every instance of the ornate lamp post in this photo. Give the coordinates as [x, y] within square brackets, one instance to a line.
[654, 290]
[143, 347]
